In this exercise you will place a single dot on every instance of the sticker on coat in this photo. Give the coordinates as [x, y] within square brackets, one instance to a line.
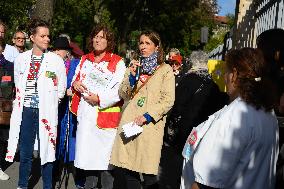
[52, 75]
[141, 101]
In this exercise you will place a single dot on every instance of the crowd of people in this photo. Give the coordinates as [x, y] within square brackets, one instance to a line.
[153, 124]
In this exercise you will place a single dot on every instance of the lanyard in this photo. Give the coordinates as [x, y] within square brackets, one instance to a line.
[35, 73]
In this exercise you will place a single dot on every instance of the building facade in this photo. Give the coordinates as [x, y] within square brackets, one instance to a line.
[252, 18]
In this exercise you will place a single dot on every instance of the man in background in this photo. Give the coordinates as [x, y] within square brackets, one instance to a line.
[12, 51]
[19, 40]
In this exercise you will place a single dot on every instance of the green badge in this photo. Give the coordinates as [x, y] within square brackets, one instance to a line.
[141, 101]
[50, 74]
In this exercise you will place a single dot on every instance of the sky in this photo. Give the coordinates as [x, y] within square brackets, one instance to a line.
[226, 6]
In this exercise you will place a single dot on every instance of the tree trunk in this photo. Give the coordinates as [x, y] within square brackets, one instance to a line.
[126, 29]
[43, 10]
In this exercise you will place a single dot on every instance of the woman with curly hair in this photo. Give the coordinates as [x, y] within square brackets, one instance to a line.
[237, 147]
[96, 80]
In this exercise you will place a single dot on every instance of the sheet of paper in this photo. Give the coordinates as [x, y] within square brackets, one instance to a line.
[96, 76]
[131, 129]
[85, 94]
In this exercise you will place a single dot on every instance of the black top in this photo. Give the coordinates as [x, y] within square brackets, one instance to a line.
[197, 97]
[6, 69]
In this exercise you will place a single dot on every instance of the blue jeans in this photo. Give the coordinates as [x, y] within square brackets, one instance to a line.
[29, 130]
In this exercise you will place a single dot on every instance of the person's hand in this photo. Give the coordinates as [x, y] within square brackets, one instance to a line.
[133, 66]
[140, 120]
[91, 98]
[69, 92]
[78, 86]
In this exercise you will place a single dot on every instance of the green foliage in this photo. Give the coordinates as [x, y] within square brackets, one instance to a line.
[77, 18]
[220, 32]
[133, 39]
[15, 14]
[231, 20]
[215, 41]
[178, 22]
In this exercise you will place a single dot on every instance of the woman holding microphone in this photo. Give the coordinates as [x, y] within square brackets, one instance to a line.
[149, 86]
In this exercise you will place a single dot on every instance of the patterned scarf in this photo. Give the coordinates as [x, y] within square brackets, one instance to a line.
[149, 64]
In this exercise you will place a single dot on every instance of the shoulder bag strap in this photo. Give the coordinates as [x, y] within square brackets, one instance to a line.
[138, 89]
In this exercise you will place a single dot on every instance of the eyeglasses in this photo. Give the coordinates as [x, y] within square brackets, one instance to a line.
[17, 38]
[174, 63]
[97, 37]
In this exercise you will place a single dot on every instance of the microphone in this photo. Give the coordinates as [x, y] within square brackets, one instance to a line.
[137, 73]
[138, 70]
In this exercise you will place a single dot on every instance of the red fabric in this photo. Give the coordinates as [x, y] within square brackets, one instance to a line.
[143, 77]
[75, 102]
[113, 59]
[6, 78]
[177, 58]
[109, 57]
[76, 50]
[108, 119]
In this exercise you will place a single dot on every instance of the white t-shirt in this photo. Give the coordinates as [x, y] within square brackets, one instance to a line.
[31, 92]
[238, 151]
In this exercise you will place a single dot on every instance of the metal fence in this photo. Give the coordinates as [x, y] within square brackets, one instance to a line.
[219, 52]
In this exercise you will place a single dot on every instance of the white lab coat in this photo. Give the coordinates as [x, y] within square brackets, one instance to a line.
[238, 151]
[93, 144]
[49, 91]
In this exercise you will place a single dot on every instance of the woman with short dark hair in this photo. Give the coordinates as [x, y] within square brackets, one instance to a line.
[40, 81]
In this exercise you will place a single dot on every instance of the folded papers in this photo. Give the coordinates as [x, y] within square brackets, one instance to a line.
[131, 129]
